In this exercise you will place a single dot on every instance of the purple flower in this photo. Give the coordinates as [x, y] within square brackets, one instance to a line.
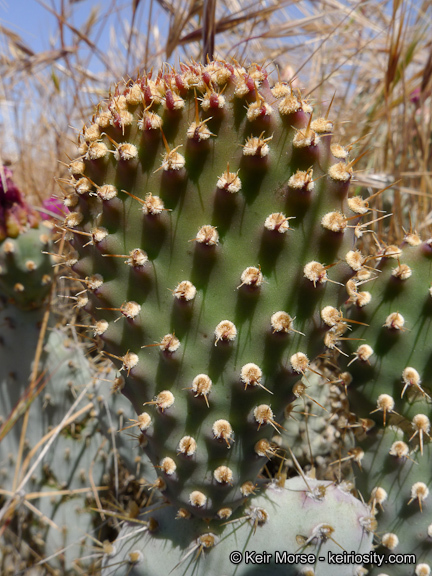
[55, 206]
[415, 96]
[9, 193]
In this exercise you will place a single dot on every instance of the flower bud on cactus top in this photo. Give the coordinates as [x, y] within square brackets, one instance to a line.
[25, 272]
[210, 223]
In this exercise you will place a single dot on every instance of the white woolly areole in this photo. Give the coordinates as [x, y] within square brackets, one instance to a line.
[263, 414]
[252, 276]
[281, 322]
[130, 309]
[169, 343]
[230, 182]
[395, 321]
[251, 374]
[100, 327]
[173, 161]
[390, 540]
[201, 384]
[299, 362]
[187, 446]
[126, 151]
[152, 205]
[277, 221]
[302, 179]
[222, 429]
[107, 192]
[403, 272]
[164, 399]
[185, 291]
[385, 402]
[197, 499]
[225, 330]
[130, 360]
[207, 235]
[399, 449]
[315, 272]
[340, 172]
[168, 466]
[423, 569]
[364, 352]
[137, 257]
[223, 475]
[144, 421]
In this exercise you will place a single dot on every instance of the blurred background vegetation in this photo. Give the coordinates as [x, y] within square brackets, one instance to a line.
[374, 57]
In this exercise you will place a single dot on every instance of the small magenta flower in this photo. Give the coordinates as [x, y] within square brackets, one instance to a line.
[55, 206]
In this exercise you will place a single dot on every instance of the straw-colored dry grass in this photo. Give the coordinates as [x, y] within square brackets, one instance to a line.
[374, 56]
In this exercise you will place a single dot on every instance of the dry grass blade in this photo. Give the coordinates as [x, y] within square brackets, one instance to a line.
[208, 30]
[182, 14]
[233, 21]
[64, 22]
[51, 436]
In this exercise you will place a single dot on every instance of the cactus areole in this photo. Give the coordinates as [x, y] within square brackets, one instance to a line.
[210, 224]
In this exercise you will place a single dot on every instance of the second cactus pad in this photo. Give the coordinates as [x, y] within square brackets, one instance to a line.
[209, 226]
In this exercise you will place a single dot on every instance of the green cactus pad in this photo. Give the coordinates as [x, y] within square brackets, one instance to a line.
[288, 520]
[396, 481]
[25, 272]
[209, 222]
[391, 366]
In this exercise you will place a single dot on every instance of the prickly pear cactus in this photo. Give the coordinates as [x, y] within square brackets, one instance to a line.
[25, 271]
[390, 366]
[209, 227]
[317, 520]
[396, 481]
[53, 507]
[313, 428]
[387, 376]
